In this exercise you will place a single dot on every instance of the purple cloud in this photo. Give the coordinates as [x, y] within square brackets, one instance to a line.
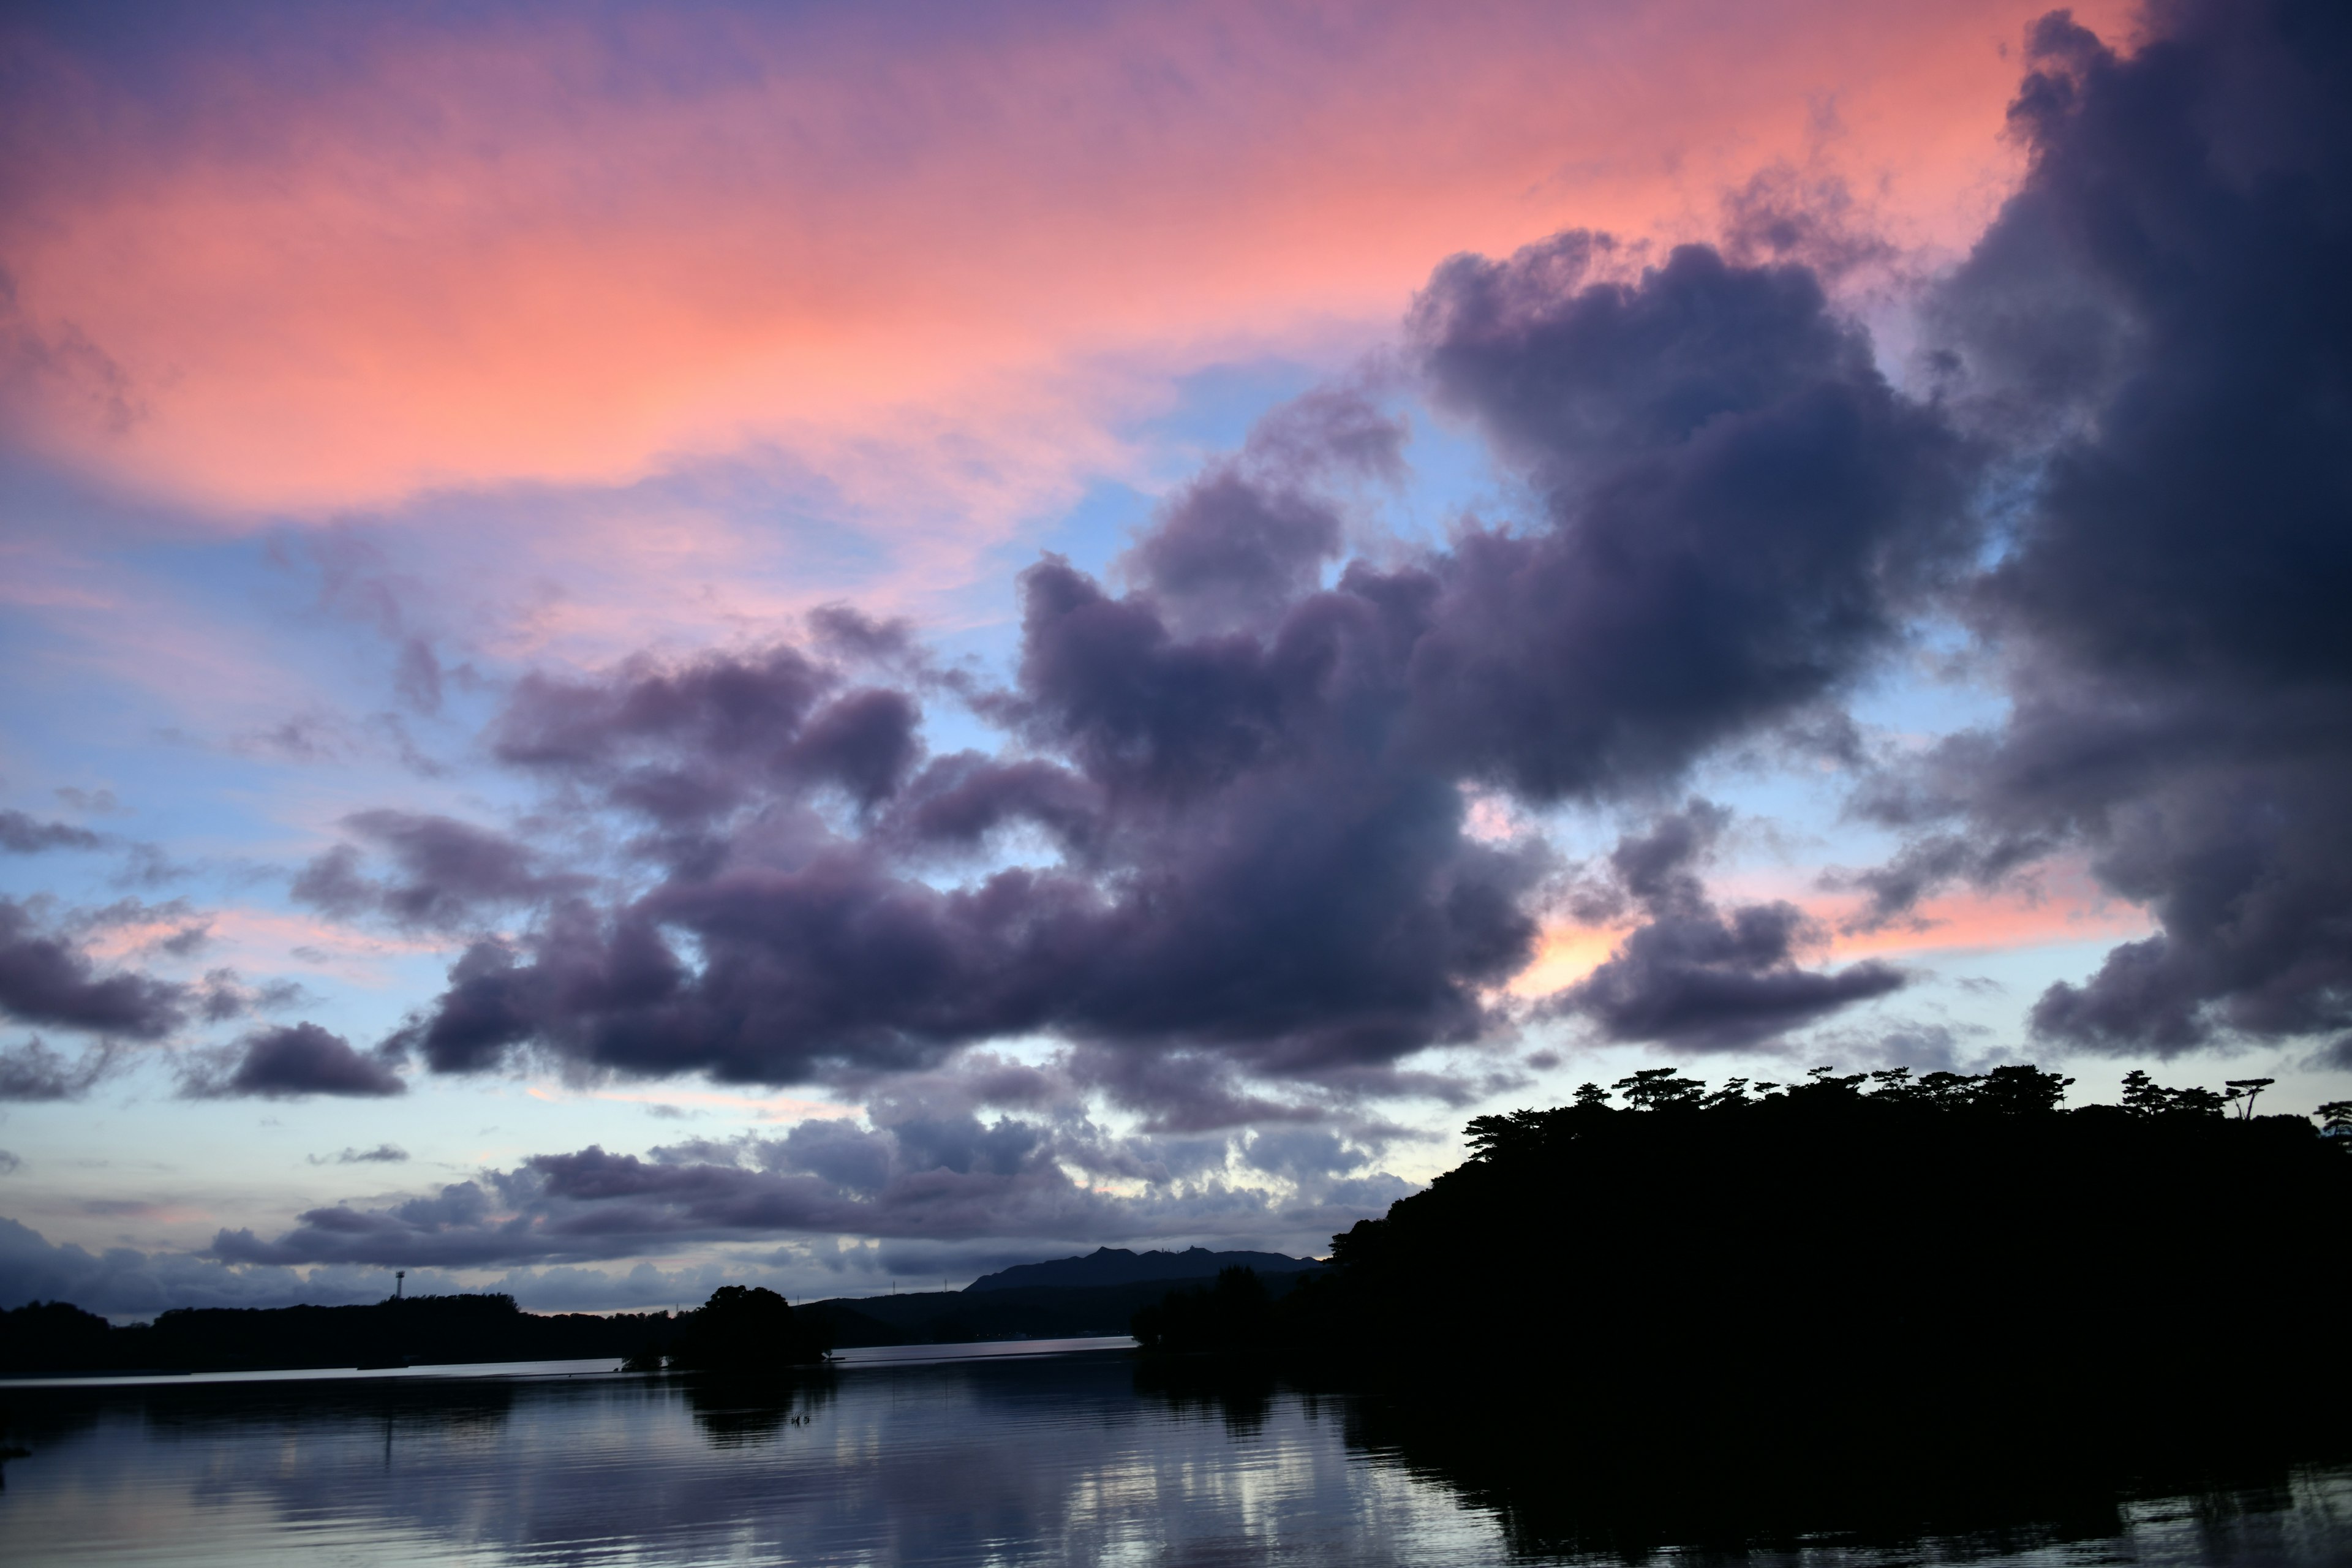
[2156, 325]
[295, 1060]
[45, 979]
[22, 834]
[941, 1177]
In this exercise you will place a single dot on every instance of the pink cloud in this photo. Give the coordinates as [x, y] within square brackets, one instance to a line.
[2065, 907]
[473, 255]
[262, 942]
[2062, 904]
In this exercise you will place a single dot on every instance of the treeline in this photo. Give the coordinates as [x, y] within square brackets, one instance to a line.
[54, 1337]
[741, 1329]
[1867, 1250]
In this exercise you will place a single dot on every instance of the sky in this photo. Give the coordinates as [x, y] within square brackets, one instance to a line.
[838, 646]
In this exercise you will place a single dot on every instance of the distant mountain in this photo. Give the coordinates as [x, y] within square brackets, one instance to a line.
[1117, 1266]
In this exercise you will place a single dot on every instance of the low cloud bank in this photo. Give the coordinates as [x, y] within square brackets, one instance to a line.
[936, 1177]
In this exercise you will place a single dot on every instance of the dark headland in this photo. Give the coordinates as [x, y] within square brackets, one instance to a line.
[1887, 1285]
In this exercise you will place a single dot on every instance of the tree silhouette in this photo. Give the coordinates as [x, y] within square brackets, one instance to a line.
[1733, 1092]
[745, 1329]
[2021, 1090]
[1827, 1090]
[1486, 1135]
[1660, 1088]
[2244, 1091]
[2143, 1096]
[1947, 1089]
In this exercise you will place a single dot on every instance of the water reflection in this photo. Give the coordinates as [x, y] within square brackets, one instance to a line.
[738, 1412]
[1240, 1391]
[1075, 1460]
[1565, 1486]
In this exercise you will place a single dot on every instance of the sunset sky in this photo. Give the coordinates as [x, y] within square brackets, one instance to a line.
[824, 644]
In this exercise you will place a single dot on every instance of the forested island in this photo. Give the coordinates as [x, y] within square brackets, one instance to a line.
[1876, 1267]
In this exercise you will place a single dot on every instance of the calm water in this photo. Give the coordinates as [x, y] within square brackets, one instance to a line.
[997, 1459]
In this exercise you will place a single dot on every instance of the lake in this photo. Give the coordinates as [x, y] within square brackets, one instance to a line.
[999, 1455]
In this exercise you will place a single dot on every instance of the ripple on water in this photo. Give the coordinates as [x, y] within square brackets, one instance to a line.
[1005, 1459]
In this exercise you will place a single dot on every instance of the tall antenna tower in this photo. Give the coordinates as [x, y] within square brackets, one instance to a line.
[397, 1276]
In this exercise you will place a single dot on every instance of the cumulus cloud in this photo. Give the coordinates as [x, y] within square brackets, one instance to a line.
[292, 1061]
[1245, 539]
[45, 978]
[2156, 324]
[1745, 512]
[936, 1167]
[447, 875]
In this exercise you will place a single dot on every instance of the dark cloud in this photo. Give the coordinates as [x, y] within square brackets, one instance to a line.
[30, 1071]
[1289, 894]
[121, 1282]
[1745, 512]
[1182, 1091]
[2158, 323]
[1244, 542]
[1302, 1152]
[851, 634]
[1704, 978]
[1229, 552]
[45, 979]
[959, 800]
[22, 834]
[687, 744]
[864, 743]
[2336, 1056]
[295, 1060]
[448, 875]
